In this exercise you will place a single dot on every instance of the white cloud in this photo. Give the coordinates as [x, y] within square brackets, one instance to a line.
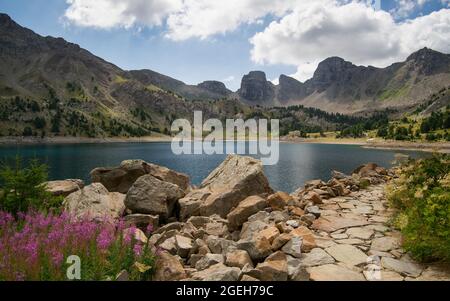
[303, 33]
[185, 18]
[229, 79]
[405, 7]
[353, 31]
[107, 14]
[204, 18]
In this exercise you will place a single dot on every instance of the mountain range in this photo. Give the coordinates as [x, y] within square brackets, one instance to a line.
[73, 91]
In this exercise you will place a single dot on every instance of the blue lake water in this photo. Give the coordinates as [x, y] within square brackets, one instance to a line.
[298, 162]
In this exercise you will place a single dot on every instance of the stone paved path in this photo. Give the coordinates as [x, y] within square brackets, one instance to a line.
[355, 242]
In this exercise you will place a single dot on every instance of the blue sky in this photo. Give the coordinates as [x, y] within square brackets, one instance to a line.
[193, 41]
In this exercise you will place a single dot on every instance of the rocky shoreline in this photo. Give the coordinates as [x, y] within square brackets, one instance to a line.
[234, 227]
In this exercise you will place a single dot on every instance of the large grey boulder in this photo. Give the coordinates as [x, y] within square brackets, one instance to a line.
[232, 182]
[149, 195]
[228, 185]
[95, 202]
[120, 179]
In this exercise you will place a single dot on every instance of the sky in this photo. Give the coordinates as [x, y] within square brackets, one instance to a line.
[198, 40]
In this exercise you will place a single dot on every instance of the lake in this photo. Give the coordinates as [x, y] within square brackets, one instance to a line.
[298, 162]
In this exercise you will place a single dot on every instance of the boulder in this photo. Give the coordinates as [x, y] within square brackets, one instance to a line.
[314, 184]
[65, 187]
[279, 200]
[339, 175]
[208, 260]
[95, 202]
[270, 233]
[313, 197]
[120, 179]
[274, 268]
[296, 270]
[168, 227]
[258, 248]
[142, 221]
[367, 171]
[280, 241]
[313, 210]
[218, 272]
[262, 216]
[244, 210]
[169, 245]
[220, 245]
[247, 278]
[251, 229]
[307, 236]
[279, 216]
[200, 247]
[184, 245]
[190, 204]
[293, 247]
[168, 268]
[296, 211]
[232, 182]
[150, 195]
[239, 259]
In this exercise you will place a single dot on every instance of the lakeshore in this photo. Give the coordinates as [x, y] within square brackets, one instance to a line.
[440, 147]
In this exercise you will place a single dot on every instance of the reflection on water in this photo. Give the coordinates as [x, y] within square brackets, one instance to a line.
[298, 162]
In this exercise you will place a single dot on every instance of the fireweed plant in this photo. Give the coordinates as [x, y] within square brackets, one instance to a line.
[34, 247]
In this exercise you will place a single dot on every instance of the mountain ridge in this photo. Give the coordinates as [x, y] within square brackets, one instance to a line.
[49, 86]
[338, 85]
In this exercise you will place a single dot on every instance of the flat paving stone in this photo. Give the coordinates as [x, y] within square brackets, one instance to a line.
[361, 233]
[347, 254]
[403, 267]
[332, 272]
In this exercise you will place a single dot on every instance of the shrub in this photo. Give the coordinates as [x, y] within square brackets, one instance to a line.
[35, 247]
[422, 197]
[22, 188]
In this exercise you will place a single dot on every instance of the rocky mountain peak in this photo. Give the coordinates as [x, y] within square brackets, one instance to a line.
[257, 75]
[256, 89]
[5, 19]
[215, 87]
[333, 65]
[422, 54]
[290, 89]
[428, 61]
[285, 80]
[331, 70]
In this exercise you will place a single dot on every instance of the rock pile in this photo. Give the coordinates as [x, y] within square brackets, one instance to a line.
[235, 227]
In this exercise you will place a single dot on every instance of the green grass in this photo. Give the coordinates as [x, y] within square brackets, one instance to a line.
[422, 198]
[394, 93]
[120, 80]
[153, 88]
